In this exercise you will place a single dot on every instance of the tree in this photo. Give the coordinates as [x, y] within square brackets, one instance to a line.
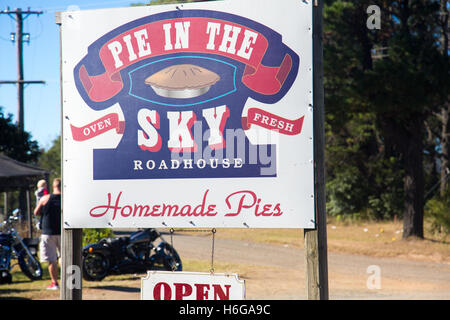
[443, 116]
[412, 82]
[400, 88]
[51, 159]
[363, 170]
[14, 143]
[17, 145]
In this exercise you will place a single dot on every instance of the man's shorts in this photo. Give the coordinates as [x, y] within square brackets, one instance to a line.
[50, 248]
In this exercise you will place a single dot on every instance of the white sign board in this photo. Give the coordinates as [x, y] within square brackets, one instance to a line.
[193, 115]
[166, 285]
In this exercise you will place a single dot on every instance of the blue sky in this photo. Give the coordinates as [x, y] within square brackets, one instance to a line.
[41, 62]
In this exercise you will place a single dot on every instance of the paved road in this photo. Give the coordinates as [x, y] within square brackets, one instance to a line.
[279, 271]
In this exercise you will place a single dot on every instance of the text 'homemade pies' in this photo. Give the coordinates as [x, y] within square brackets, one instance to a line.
[182, 81]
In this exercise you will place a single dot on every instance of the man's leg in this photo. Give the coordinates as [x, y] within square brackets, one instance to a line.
[50, 247]
[53, 271]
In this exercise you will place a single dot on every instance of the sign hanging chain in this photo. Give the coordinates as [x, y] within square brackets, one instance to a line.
[171, 242]
[213, 231]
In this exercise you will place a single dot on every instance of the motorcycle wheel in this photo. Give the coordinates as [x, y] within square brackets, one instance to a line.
[171, 259]
[5, 277]
[29, 265]
[95, 266]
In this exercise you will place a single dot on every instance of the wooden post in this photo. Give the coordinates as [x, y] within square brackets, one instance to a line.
[71, 239]
[316, 239]
[71, 244]
[5, 205]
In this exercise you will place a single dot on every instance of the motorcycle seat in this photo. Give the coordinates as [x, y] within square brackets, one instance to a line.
[117, 242]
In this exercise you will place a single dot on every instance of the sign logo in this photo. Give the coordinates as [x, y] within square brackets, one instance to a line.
[182, 79]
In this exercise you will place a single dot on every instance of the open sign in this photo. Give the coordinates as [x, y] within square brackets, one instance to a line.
[163, 285]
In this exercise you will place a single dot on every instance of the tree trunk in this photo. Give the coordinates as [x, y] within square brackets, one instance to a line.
[444, 146]
[414, 181]
[444, 16]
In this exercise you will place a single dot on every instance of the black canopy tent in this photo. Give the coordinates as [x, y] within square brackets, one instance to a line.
[15, 175]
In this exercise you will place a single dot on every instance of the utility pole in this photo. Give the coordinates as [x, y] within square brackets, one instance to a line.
[18, 37]
[19, 16]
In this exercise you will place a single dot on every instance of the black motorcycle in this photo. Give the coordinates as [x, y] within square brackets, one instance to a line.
[12, 246]
[133, 254]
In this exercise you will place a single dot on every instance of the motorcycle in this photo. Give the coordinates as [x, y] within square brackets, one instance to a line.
[12, 246]
[133, 254]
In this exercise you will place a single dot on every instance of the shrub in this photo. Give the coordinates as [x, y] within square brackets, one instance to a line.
[346, 194]
[95, 235]
[437, 211]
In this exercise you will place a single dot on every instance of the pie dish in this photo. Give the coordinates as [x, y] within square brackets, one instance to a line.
[182, 81]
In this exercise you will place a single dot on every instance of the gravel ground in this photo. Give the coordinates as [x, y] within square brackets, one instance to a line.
[278, 272]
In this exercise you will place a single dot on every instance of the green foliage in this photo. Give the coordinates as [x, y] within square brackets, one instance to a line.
[345, 192]
[376, 106]
[51, 159]
[95, 235]
[437, 210]
[361, 177]
[15, 144]
[377, 195]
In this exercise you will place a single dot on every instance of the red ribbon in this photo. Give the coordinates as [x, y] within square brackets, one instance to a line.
[272, 122]
[97, 127]
[263, 79]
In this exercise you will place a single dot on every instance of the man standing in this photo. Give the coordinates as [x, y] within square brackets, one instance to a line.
[50, 246]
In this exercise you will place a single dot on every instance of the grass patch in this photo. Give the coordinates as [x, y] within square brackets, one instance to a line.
[24, 289]
[384, 239]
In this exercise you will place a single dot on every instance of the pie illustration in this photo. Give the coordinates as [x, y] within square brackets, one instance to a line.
[182, 81]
